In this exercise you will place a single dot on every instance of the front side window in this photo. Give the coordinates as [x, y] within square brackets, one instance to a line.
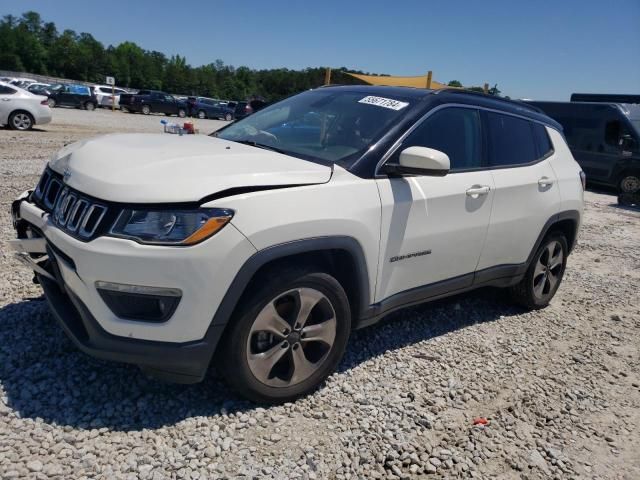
[511, 140]
[326, 125]
[454, 131]
[612, 133]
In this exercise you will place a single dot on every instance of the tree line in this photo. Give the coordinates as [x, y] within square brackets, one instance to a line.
[29, 44]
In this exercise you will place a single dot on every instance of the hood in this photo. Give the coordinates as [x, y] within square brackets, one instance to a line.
[163, 168]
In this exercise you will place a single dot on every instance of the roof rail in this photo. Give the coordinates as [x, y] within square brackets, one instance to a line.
[491, 97]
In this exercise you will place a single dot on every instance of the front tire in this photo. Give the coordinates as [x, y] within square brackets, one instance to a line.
[182, 113]
[51, 102]
[228, 117]
[21, 121]
[201, 114]
[146, 109]
[289, 337]
[544, 275]
[90, 106]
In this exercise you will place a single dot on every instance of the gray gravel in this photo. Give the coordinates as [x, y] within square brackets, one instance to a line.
[560, 388]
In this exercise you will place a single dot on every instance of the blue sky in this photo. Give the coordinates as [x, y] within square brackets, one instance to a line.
[543, 49]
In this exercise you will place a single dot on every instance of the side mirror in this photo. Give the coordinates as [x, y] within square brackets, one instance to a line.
[420, 161]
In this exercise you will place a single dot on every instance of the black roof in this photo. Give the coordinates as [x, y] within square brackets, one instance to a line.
[456, 95]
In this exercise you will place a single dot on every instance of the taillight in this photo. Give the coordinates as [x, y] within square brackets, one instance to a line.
[44, 102]
[583, 180]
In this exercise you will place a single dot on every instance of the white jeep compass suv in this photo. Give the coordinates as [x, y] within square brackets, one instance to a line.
[257, 250]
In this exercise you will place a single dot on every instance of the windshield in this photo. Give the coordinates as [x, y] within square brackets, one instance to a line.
[636, 125]
[325, 125]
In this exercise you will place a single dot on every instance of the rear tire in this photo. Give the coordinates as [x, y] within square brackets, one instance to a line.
[21, 120]
[629, 183]
[275, 349]
[51, 102]
[182, 113]
[90, 106]
[201, 114]
[228, 117]
[146, 109]
[544, 275]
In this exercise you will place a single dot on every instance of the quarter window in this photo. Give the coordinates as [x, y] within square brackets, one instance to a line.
[6, 90]
[511, 140]
[542, 139]
[454, 131]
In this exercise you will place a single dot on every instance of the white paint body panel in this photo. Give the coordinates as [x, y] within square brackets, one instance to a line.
[431, 213]
[203, 272]
[388, 217]
[346, 206]
[23, 100]
[163, 168]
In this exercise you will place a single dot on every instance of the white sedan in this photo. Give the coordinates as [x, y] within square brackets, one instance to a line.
[21, 110]
[106, 96]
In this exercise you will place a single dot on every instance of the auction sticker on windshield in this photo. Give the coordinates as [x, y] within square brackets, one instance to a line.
[384, 102]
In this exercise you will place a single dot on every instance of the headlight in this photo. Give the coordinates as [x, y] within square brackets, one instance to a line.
[170, 227]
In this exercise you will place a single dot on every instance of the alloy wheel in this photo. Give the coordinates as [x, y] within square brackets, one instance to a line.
[549, 270]
[291, 337]
[21, 121]
[630, 184]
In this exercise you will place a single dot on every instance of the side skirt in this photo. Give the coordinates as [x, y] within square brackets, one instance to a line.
[498, 276]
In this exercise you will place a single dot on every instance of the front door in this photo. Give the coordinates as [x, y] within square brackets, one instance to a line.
[434, 228]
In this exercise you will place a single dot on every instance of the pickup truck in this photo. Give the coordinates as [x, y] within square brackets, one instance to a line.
[153, 101]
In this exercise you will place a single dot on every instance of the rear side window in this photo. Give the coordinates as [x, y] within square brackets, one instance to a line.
[454, 131]
[511, 140]
[542, 139]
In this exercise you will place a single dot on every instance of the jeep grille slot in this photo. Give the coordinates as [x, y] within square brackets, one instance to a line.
[71, 211]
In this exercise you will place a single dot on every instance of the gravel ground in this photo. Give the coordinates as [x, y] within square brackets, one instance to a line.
[560, 388]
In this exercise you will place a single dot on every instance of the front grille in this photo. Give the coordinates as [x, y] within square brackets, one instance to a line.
[71, 211]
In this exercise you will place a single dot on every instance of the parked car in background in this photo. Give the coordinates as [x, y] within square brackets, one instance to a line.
[22, 82]
[203, 107]
[108, 96]
[39, 89]
[20, 109]
[153, 101]
[71, 95]
[259, 254]
[604, 139]
[242, 109]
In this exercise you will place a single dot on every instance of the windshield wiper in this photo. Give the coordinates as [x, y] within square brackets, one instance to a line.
[261, 145]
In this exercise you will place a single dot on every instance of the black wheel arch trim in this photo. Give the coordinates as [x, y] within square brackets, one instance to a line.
[573, 215]
[288, 249]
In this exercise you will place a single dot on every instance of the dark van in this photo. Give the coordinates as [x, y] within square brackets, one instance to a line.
[604, 138]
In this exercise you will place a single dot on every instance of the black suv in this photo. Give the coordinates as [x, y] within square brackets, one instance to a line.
[203, 107]
[69, 95]
[604, 138]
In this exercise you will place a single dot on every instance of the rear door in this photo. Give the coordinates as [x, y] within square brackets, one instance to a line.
[170, 105]
[526, 190]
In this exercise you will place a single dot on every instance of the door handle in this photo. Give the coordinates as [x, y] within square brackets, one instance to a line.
[545, 182]
[6, 99]
[477, 191]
